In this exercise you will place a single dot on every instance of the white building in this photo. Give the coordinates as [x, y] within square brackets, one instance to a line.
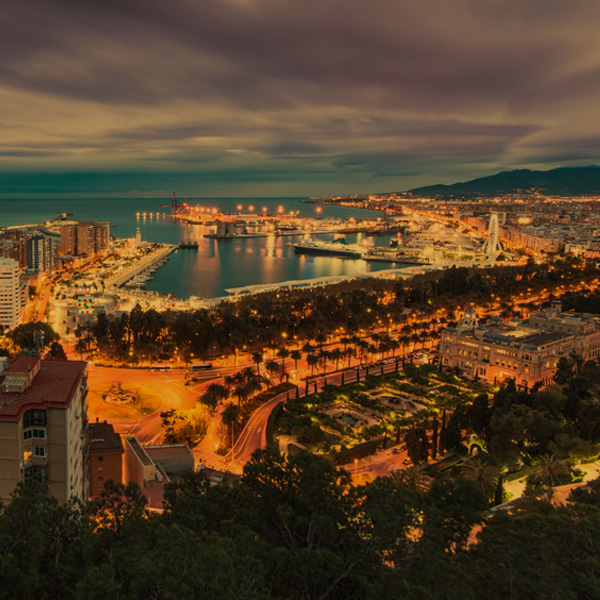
[10, 293]
[526, 351]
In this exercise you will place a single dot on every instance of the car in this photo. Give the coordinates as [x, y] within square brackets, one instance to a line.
[406, 461]
[396, 451]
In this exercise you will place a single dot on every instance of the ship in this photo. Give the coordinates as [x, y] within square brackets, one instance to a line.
[337, 248]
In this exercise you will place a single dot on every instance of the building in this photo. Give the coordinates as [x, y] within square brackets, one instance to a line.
[43, 425]
[151, 467]
[526, 351]
[13, 244]
[68, 239]
[84, 237]
[11, 293]
[40, 253]
[105, 450]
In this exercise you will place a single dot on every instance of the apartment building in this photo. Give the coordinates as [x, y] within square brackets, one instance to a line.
[13, 244]
[84, 237]
[43, 425]
[40, 253]
[105, 450]
[11, 293]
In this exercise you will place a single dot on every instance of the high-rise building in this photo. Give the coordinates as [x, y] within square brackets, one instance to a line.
[101, 235]
[43, 425]
[40, 253]
[68, 238]
[13, 244]
[84, 237]
[11, 301]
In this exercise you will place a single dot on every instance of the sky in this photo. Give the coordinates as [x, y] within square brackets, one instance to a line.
[291, 97]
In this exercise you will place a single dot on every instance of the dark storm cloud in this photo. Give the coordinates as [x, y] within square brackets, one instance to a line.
[389, 88]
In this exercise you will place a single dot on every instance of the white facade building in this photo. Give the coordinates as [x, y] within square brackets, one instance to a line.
[10, 293]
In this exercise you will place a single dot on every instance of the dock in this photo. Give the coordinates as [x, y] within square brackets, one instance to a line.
[147, 262]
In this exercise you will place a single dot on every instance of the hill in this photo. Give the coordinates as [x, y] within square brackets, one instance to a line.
[564, 181]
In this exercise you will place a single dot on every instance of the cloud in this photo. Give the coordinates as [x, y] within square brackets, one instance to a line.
[302, 90]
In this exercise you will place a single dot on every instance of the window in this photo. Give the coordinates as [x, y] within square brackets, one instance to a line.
[34, 433]
[100, 458]
[39, 451]
[37, 473]
[33, 417]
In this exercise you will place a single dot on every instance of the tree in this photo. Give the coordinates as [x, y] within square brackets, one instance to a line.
[550, 471]
[230, 416]
[296, 355]
[312, 360]
[272, 367]
[417, 445]
[24, 336]
[184, 426]
[257, 358]
[283, 353]
[55, 352]
[482, 473]
[214, 394]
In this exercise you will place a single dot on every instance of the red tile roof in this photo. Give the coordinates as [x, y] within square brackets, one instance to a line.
[55, 385]
[22, 364]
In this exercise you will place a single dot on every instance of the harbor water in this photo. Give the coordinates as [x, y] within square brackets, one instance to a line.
[217, 264]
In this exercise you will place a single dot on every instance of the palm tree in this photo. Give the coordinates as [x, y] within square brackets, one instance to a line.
[336, 354]
[320, 338]
[272, 367]
[324, 356]
[296, 355]
[413, 478]
[283, 353]
[482, 473]
[257, 358]
[230, 416]
[414, 338]
[551, 471]
[214, 394]
[363, 345]
[349, 353]
[312, 360]
[308, 348]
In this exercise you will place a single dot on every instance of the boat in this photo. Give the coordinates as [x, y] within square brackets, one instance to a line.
[329, 249]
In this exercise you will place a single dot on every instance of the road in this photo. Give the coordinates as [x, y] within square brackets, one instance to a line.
[253, 436]
[169, 386]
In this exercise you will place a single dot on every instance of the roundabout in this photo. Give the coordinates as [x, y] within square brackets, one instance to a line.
[123, 401]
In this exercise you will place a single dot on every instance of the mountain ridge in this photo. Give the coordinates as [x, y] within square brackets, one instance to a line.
[566, 181]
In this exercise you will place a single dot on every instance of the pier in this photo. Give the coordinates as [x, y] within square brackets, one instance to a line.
[152, 258]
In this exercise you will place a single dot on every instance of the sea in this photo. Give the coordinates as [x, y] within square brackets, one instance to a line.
[217, 265]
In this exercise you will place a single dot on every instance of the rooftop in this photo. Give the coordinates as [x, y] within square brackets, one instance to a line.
[55, 385]
[546, 337]
[103, 438]
[170, 451]
[23, 364]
